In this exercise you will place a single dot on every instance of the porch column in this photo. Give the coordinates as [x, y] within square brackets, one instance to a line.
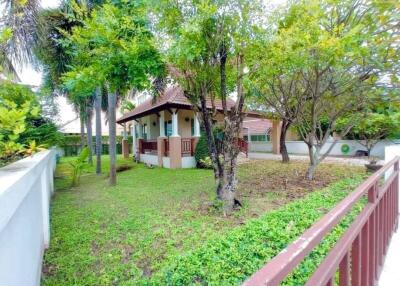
[162, 124]
[125, 145]
[275, 136]
[196, 133]
[133, 139]
[138, 140]
[196, 126]
[160, 140]
[175, 143]
[174, 122]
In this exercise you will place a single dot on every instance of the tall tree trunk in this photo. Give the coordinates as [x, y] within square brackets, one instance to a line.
[282, 141]
[89, 134]
[98, 130]
[82, 121]
[112, 98]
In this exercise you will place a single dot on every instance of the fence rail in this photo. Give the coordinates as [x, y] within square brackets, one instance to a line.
[359, 254]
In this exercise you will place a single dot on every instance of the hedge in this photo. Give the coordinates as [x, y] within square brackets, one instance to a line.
[76, 140]
[231, 258]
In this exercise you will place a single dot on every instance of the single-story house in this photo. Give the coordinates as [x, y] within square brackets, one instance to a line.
[166, 129]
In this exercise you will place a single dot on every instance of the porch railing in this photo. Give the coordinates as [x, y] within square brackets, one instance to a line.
[359, 254]
[147, 146]
[243, 146]
[187, 146]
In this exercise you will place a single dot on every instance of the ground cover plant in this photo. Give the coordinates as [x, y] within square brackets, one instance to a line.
[157, 225]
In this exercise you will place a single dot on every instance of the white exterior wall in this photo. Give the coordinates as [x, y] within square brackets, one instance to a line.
[25, 190]
[149, 159]
[166, 162]
[188, 162]
[299, 147]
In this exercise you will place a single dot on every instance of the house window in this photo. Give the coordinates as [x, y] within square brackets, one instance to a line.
[192, 126]
[258, 138]
[144, 131]
[168, 128]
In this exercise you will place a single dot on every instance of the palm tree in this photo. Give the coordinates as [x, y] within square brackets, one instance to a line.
[18, 26]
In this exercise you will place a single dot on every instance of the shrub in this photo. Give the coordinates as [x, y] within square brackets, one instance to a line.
[201, 152]
[17, 103]
[231, 258]
[78, 165]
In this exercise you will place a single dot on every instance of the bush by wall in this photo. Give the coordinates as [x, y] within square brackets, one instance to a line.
[201, 152]
[230, 259]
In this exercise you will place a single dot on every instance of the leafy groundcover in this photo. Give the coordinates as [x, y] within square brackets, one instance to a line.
[230, 259]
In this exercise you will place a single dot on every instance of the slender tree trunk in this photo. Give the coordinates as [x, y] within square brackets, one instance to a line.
[313, 162]
[82, 121]
[89, 134]
[282, 141]
[98, 130]
[112, 98]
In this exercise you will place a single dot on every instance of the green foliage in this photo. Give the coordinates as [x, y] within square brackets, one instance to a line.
[201, 152]
[113, 46]
[76, 140]
[78, 165]
[17, 103]
[230, 259]
[41, 130]
[380, 121]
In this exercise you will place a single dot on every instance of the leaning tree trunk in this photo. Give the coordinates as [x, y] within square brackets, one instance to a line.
[112, 98]
[282, 141]
[82, 122]
[98, 130]
[89, 134]
[312, 167]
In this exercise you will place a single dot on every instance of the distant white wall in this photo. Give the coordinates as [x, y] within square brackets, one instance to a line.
[260, 147]
[390, 153]
[188, 162]
[25, 190]
[299, 147]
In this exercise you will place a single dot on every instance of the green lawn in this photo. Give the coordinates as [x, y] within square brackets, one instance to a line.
[136, 232]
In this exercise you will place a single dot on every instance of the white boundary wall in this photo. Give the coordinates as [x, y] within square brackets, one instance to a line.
[25, 190]
[299, 147]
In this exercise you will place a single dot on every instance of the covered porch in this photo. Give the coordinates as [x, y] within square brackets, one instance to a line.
[167, 138]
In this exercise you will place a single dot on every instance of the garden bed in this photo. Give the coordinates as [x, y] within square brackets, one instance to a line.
[158, 226]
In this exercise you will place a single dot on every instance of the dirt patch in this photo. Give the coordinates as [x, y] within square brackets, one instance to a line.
[266, 185]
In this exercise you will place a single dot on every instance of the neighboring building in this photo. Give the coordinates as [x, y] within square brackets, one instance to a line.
[69, 122]
[166, 129]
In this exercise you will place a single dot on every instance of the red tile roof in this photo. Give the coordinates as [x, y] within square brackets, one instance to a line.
[256, 126]
[173, 97]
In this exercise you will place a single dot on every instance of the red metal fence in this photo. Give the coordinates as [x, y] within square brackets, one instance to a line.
[359, 254]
